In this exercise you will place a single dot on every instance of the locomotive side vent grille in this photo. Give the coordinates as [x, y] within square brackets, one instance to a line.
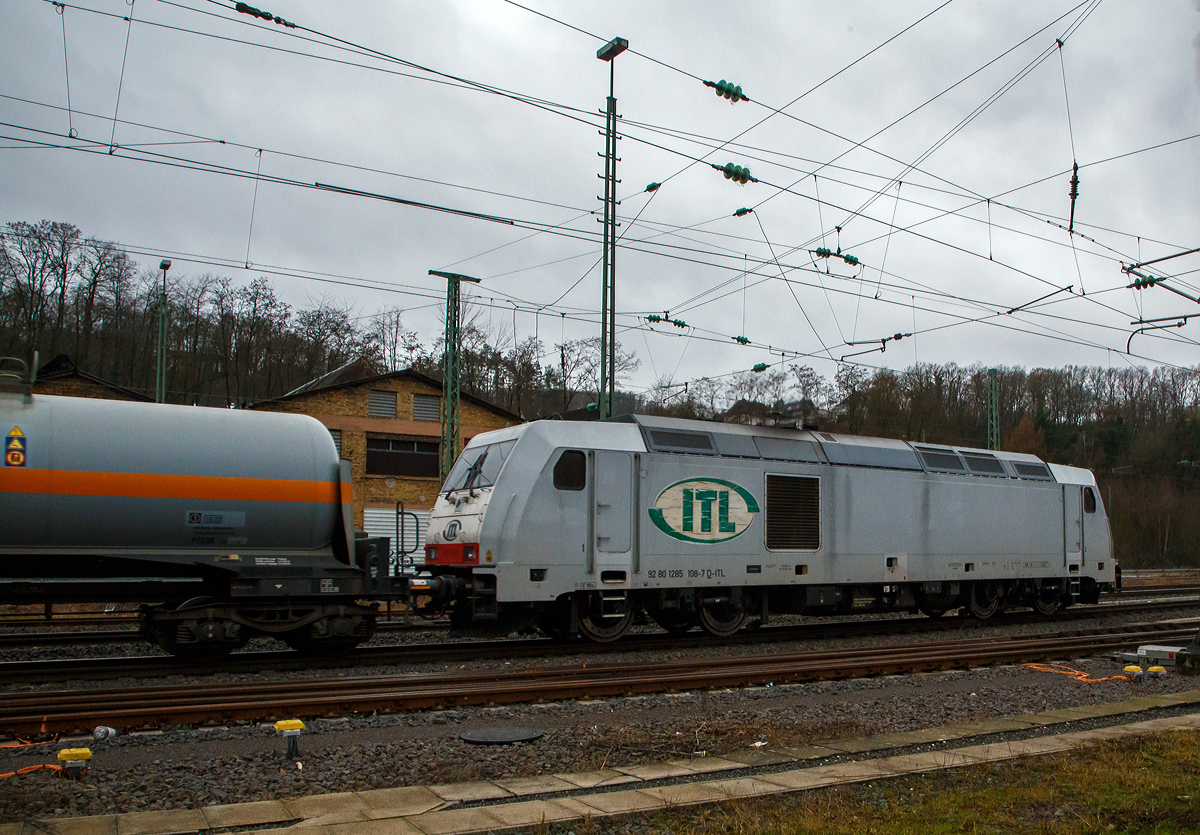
[793, 513]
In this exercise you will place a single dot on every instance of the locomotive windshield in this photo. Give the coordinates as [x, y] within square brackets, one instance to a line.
[477, 467]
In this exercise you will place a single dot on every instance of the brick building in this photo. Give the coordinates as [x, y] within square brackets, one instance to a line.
[389, 427]
[62, 377]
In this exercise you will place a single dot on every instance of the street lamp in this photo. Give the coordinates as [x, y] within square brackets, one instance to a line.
[608, 301]
[160, 377]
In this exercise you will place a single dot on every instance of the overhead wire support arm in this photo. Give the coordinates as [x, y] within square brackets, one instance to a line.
[1143, 281]
[1164, 258]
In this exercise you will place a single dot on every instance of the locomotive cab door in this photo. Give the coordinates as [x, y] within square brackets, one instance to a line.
[612, 515]
[1072, 524]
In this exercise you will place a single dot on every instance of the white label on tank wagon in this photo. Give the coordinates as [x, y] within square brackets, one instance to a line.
[216, 519]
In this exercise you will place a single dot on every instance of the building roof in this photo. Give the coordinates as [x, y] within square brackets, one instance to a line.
[352, 374]
[62, 368]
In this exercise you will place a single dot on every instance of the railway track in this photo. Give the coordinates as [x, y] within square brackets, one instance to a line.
[115, 620]
[448, 652]
[124, 708]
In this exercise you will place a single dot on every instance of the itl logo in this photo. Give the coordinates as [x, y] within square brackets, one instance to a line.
[708, 510]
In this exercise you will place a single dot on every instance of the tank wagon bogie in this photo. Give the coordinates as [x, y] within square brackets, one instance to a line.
[224, 524]
[580, 526]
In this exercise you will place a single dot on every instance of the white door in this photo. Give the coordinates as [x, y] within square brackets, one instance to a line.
[614, 506]
[1073, 521]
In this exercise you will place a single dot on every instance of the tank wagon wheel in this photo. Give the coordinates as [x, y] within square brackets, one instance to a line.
[604, 623]
[1048, 598]
[985, 599]
[721, 618]
[331, 635]
[213, 644]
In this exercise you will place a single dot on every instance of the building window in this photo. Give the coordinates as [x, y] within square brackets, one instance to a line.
[427, 407]
[381, 404]
[398, 457]
[336, 434]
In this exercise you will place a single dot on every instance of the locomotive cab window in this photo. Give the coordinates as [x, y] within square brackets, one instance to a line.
[1089, 500]
[570, 471]
[477, 467]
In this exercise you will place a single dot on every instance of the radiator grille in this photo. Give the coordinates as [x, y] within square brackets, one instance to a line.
[793, 513]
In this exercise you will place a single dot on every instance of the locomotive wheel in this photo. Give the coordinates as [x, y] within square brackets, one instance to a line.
[672, 620]
[1048, 598]
[933, 614]
[985, 599]
[595, 627]
[721, 619]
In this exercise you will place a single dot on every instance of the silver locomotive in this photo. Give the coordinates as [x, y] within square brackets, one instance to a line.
[580, 526]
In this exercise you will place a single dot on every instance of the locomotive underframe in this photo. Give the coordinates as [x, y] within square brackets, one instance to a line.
[606, 614]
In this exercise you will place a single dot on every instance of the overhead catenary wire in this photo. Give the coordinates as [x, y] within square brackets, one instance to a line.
[744, 271]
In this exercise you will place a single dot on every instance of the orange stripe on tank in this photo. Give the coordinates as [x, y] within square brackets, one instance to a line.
[149, 486]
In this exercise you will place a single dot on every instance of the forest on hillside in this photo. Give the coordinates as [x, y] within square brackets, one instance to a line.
[1138, 429]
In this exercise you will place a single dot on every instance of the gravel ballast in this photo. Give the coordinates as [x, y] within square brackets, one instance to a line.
[194, 767]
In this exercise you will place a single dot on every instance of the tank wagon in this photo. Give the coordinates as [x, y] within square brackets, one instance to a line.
[233, 523]
[579, 526]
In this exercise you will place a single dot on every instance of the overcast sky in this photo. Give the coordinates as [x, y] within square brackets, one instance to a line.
[956, 211]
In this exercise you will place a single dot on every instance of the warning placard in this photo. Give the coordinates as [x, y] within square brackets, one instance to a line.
[14, 448]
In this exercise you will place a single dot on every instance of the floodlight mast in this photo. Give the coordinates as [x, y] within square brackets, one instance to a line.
[608, 296]
[160, 372]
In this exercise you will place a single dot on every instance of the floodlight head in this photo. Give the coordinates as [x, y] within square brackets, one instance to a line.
[165, 265]
[612, 49]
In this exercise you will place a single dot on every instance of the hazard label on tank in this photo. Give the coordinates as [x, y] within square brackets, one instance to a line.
[14, 448]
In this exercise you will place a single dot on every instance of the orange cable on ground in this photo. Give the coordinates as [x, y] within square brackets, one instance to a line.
[30, 768]
[24, 743]
[1077, 675]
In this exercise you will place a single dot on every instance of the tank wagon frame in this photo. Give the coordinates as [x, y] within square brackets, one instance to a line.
[222, 523]
[578, 526]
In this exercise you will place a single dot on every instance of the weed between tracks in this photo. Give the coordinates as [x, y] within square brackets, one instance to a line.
[1134, 785]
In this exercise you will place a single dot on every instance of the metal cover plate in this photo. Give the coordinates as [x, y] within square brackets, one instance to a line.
[499, 736]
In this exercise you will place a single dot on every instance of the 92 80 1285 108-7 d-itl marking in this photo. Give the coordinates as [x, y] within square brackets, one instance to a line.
[577, 526]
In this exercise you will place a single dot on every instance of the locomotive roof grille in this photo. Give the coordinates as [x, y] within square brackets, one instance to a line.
[944, 461]
[1028, 469]
[671, 440]
[982, 464]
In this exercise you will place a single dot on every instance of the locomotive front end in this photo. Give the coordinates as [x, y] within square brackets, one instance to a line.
[454, 539]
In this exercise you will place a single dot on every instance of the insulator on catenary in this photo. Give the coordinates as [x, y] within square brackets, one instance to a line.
[737, 173]
[728, 90]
